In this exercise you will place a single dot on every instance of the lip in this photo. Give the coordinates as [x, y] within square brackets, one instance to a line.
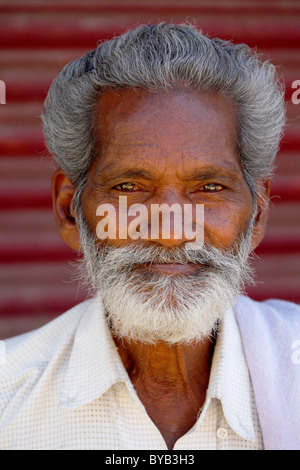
[171, 268]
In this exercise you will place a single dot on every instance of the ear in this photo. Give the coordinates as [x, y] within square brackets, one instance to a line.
[261, 214]
[62, 193]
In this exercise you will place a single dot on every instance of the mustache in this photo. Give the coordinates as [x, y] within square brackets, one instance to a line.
[146, 306]
[134, 255]
[139, 253]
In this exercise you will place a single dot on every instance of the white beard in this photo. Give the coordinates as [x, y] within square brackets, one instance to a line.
[149, 307]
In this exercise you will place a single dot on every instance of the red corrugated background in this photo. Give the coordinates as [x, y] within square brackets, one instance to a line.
[36, 40]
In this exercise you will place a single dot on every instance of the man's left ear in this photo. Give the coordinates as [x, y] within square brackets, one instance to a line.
[261, 214]
[62, 194]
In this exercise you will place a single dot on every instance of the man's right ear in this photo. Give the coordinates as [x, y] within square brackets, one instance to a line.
[62, 194]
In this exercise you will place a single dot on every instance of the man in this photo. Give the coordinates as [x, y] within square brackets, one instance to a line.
[167, 354]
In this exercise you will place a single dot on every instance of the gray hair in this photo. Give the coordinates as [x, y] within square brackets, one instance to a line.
[156, 57]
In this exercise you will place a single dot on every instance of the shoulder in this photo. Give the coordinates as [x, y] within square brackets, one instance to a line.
[270, 328]
[270, 332]
[30, 353]
[273, 312]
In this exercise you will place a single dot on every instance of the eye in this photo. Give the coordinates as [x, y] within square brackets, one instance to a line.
[128, 186]
[212, 187]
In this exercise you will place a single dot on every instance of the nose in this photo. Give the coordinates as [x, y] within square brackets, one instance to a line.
[174, 221]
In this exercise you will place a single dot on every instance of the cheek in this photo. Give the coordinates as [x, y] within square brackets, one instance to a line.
[224, 225]
[112, 224]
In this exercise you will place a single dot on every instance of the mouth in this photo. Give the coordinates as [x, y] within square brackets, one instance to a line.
[171, 268]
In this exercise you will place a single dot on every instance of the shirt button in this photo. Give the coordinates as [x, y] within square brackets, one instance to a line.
[222, 433]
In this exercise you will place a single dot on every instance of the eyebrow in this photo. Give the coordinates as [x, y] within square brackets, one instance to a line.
[214, 172]
[207, 172]
[129, 174]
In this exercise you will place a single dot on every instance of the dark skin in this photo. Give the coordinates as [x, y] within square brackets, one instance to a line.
[175, 147]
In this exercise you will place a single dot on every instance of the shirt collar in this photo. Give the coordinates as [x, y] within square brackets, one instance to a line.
[230, 380]
[94, 364]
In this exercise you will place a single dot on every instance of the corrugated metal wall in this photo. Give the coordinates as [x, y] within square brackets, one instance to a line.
[36, 40]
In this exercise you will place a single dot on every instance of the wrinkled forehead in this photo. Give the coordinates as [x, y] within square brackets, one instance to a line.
[139, 123]
[181, 103]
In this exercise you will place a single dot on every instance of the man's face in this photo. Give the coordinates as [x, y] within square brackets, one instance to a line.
[178, 147]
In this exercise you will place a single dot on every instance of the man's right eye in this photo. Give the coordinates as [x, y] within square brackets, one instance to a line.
[128, 186]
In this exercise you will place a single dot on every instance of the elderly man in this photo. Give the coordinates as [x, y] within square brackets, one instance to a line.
[168, 353]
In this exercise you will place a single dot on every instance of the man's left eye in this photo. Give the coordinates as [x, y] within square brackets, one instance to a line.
[212, 187]
[128, 186]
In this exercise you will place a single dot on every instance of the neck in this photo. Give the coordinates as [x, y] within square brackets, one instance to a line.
[170, 380]
[168, 363]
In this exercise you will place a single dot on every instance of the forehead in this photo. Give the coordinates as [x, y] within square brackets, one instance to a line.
[144, 125]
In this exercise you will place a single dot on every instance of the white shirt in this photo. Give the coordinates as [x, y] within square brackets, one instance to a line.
[64, 386]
